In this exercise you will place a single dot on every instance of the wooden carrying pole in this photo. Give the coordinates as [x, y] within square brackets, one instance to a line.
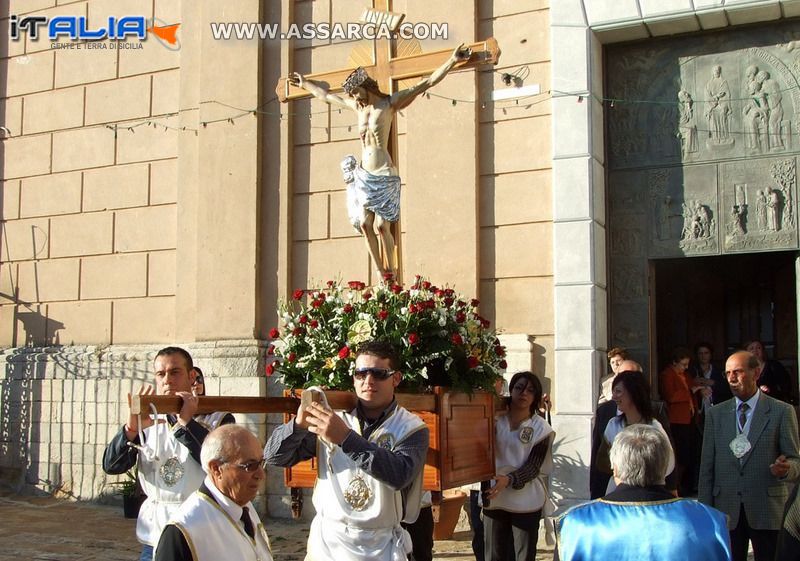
[140, 404]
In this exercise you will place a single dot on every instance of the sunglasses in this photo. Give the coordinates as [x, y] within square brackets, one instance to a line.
[251, 467]
[378, 373]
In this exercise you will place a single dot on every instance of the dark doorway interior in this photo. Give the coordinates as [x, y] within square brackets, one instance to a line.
[727, 300]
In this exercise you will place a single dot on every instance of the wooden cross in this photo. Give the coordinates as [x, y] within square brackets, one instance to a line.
[387, 68]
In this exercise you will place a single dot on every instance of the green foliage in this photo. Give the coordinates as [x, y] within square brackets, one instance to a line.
[441, 338]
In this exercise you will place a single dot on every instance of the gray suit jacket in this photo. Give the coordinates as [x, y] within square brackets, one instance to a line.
[725, 482]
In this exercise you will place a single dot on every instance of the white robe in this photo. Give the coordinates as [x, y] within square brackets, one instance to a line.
[371, 532]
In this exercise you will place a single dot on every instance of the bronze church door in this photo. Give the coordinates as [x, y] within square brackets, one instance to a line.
[701, 190]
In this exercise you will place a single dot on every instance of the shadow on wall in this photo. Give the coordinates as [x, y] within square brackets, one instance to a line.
[59, 407]
[569, 480]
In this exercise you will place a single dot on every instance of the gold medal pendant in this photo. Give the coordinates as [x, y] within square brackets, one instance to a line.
[357, 494]
[171, 471]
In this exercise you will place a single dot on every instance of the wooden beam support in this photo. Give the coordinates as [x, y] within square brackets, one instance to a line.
[208, 404]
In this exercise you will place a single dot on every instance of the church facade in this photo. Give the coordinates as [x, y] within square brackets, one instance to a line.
[164, 195]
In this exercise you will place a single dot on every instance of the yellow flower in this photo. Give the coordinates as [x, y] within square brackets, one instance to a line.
[330, 362]
[359, 332]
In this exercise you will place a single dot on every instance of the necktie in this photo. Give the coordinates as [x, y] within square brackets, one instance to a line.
[248, 524]
[743, 415]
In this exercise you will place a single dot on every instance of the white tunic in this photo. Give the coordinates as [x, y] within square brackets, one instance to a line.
[213, 535]
[168, 475]
[370, 531]
[512, 448]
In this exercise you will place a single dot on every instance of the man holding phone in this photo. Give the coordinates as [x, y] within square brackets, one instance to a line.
[370, 464]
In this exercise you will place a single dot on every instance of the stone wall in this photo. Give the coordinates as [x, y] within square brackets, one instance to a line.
[59, 406]
[88, 206]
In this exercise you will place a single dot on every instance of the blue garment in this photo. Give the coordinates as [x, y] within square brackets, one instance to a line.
[643, 531]
[379, 194]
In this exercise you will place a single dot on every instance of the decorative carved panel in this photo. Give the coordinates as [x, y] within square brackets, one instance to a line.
[702, 144]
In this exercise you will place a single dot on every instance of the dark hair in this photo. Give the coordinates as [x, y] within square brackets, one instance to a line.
[702, 344]
[617, 351]
[381, 349]
[639, 390]
[680, 353]
[199, 378]
[537, 389]
[169, 351]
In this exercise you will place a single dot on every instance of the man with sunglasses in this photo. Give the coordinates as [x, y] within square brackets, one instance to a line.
[370, 464]
[218, 521]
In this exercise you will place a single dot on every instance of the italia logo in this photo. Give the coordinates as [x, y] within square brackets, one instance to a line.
[76, 28]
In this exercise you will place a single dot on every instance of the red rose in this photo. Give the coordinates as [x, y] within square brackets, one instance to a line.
[303, 319]
[456, 339]
[413, 338]
[321, 296]
[298, 294]
[461, 304]
[347, 308]
[271, 350]
[291, 357]
[367, 295]
[485, 323]
[448, 302]
[412, 308]
[440, 293]
[449, 292]
[397, 289]
[314, 324]
[472, 362]
[502, 364]
[344, 352]
[475, 303]
[269, 369]
[356, 285]
[330, 284]
[499, 350]
[426, 285]
[383, 314]
[316, 304]
[274, 333]
[461, 317]
[388, 276]
[297, 331]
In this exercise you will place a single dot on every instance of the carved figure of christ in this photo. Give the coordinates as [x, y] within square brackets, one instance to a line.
[373, 190]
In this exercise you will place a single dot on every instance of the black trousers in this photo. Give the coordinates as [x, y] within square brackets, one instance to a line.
[764, 541]
[422, 535]
[511, 536]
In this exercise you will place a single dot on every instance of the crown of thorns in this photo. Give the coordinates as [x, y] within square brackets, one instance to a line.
[357, 79]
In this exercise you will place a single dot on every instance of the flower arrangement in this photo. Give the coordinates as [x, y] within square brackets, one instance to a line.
[441, 338]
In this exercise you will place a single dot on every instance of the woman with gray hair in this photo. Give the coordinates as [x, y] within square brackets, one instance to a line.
[641, 520]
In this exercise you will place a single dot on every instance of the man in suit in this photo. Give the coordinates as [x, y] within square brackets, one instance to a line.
[598, 481]
[750, 453]
[218, 520]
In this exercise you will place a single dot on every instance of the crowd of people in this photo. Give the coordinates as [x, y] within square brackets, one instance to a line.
[727, 437]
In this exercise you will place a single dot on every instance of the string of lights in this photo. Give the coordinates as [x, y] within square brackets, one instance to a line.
[514, 77]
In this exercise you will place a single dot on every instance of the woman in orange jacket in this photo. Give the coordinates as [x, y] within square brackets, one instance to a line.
[677, 390]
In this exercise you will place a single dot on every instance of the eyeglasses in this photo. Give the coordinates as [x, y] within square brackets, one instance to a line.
[251, 467]
[378, 373]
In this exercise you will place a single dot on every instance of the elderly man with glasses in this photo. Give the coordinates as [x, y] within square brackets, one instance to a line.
[218, 521]
[370, 464]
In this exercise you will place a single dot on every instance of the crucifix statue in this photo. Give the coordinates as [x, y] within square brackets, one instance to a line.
[371, 92]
